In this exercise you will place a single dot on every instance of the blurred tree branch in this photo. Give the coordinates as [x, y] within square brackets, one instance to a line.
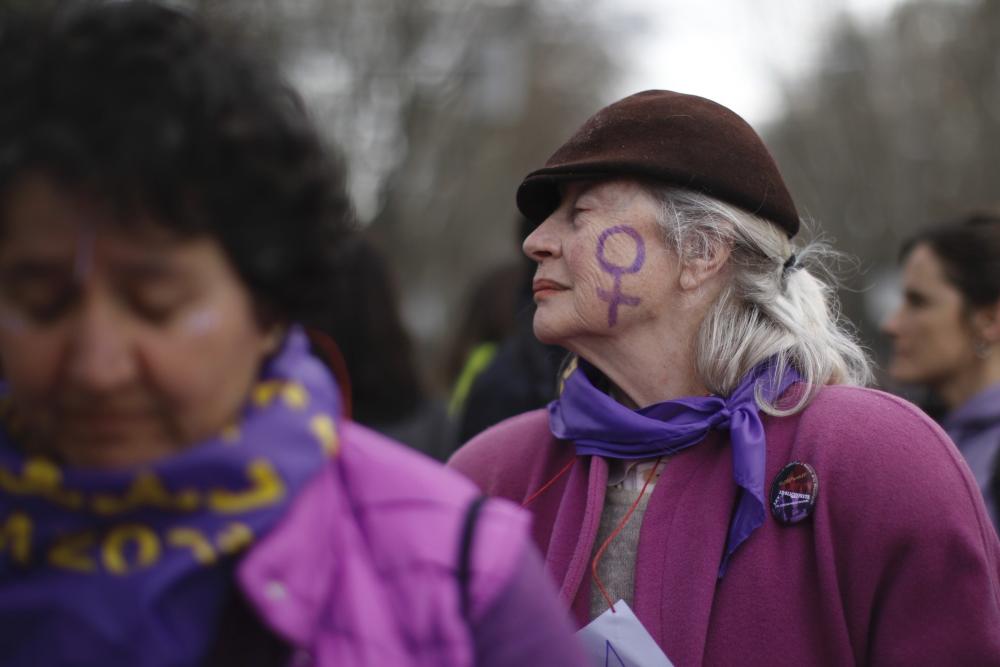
[439, 108]
[899, 128]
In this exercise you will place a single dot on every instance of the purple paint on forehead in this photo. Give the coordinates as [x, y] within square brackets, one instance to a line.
[616, 297]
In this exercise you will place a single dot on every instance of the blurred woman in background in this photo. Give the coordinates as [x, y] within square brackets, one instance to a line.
[946, 336]
[178, 485]
[385, 388]
[487, 317]
[510, 371]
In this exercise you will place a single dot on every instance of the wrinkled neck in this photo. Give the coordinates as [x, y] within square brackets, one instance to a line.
[640, 376]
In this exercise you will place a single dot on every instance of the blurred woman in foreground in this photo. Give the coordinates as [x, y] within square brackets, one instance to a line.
[177, 483]
[711, 459]
[946, 336]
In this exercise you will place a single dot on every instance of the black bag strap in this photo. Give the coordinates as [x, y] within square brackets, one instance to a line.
[464, 572]
[242, 639]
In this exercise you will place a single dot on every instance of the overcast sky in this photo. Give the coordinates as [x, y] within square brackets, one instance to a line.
[735, 52]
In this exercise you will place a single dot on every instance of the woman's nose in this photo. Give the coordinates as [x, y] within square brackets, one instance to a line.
[101, 358]
[890, 325]
[541, 243]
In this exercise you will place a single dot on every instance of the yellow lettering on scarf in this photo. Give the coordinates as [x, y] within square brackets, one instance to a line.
[70, 552]
[15, 536]
[146, 491]
[268, 489]
[292, 393]
[39, 478]
[264, 392]
[326, 432]
[234, 538]
[295, 396]
[147, 546]
[189, 538]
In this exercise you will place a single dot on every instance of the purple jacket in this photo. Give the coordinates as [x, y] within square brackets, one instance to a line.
[898, 564]
[362, 571]
[975, 428]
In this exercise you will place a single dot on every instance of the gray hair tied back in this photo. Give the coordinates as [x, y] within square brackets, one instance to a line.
[791, 315]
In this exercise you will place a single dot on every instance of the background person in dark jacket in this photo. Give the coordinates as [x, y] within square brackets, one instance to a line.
[386, 391]
[522, 372]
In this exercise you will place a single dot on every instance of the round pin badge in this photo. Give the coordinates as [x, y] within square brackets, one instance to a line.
[794, 493]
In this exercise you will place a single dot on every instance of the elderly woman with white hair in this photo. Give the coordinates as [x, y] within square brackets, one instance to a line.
[713, 460]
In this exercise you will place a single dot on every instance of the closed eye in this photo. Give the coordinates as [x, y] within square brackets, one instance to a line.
[576, 212]
[39, 290]
[915, 299]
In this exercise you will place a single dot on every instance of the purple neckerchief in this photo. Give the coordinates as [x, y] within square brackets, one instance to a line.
[132, 567]
[598, 425]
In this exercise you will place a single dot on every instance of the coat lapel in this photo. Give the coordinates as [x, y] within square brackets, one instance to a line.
[575, 529]
[681, 544]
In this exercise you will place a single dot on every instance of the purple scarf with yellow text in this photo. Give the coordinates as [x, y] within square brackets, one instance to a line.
[133, 567]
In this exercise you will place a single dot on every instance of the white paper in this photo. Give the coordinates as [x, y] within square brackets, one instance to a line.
[618, 639]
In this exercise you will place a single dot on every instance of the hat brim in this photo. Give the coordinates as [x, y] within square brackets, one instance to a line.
[538, 195]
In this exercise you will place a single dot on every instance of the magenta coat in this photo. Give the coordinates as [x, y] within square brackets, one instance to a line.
[898, 564]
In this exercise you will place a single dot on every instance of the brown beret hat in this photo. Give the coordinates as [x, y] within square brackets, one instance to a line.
[679, 139]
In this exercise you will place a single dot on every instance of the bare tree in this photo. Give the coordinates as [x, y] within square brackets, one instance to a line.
[898, 128]
[439, 108]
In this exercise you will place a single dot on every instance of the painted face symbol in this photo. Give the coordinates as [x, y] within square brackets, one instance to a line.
[616, 297]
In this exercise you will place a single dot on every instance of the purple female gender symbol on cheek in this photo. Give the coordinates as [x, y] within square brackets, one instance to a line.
[616, 297]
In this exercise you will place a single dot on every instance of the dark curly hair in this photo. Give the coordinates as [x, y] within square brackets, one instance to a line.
[146, 108]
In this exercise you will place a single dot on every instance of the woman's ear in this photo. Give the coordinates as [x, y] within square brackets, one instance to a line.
[272, 328]
[986, 322]
[703, 266]
[274, 334]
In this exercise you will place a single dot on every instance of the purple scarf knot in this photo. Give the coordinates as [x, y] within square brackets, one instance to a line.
[598, 425]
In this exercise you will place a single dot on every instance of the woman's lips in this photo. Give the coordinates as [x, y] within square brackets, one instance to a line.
[106, 420]
[543, 287]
